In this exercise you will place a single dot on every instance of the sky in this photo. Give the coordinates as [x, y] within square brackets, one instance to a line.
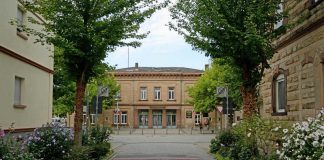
[162, 48]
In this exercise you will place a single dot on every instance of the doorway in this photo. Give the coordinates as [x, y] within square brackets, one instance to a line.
[143, 118]
[157, 119]
[171, 119]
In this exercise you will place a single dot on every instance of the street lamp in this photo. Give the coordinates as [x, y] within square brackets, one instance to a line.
[222, 92]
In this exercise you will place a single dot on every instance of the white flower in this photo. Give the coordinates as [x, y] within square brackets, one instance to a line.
[315, 143]
[233, 124]
[285, 130]
[276, 129]
[249, 134]
[285, 144]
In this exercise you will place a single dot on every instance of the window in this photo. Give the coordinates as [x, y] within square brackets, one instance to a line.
[92, 118]
[197, 118]
[18, 90]
[171, 93]
[116, 118]
[279, 93]
[157, 93]
[280, 22]
[143, 93]
[20, 18]
[84, 119]
[124, 118]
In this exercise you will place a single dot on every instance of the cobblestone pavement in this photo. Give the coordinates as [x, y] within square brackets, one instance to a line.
[161, 147]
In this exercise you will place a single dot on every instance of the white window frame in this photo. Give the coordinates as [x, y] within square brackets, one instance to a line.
[84, 119]
[92, 118]
[171, 93]
[197, 118]
[143, 93]
[280, 78]
[116, 118]
[157, 93]
[280, 10]
[18, 91]
[124, 118]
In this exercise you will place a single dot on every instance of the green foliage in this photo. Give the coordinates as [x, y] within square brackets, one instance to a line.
[13, 148]
[238, 31]
[203, 93]
[50, 142]
[85, 31]
[96, 140]
[96, 135]
[254, 138]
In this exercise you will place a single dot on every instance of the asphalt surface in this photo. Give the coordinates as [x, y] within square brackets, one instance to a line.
[161, 147]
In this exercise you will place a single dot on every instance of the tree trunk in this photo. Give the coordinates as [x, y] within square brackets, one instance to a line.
[248, 92]
[81, 85]
[249, 102]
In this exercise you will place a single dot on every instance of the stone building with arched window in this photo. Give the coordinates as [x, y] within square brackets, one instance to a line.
[293, 89]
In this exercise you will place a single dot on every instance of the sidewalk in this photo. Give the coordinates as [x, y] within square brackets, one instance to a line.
[160, 131]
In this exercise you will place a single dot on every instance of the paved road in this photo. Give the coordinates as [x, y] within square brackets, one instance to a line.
[161, 147]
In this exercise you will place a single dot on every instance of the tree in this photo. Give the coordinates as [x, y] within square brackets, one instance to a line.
[203, 93]
[240, 31]
[86, 30]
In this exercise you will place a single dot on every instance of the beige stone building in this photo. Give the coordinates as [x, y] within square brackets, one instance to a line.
[154, 98]
[293, 89]
[26, 71]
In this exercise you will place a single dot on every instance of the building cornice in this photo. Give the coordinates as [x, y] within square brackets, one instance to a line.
[151, 74]
[24, 59]
[299, 33]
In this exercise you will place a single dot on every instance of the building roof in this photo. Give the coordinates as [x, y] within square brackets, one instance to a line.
[159, 70]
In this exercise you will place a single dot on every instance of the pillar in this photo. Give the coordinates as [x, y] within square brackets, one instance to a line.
[178, 118]
[164, 118]
[150, 119]
[136, 120]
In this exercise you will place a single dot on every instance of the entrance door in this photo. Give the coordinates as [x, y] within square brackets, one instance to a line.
[171, 119]
[157, 119]
[143, 118]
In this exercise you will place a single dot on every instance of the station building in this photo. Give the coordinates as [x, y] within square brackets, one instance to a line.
[155, 97]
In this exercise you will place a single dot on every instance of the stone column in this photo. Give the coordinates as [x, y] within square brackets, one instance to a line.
[136, 120]
[164, 118]
[150, 119]
[178, 118]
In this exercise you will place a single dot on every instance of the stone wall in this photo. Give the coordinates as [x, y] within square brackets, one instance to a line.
[300, 55]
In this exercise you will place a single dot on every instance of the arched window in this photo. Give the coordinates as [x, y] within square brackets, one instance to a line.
[279, 94]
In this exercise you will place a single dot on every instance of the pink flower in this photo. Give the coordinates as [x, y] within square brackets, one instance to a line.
[2, 133]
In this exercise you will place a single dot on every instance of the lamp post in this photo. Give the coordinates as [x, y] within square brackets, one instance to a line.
[222, 92]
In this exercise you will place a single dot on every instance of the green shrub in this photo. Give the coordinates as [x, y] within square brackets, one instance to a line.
[97, 141]
[254, 138]
[50, 142]
[13, 148]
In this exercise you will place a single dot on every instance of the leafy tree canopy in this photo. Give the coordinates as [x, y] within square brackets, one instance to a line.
[86, 30]
[240, 31]
[203, 93]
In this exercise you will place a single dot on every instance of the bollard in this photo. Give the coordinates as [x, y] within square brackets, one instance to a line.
[130, 130]
[154, 131]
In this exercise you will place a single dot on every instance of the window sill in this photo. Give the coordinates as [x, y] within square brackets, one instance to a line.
[22, 35]
[172, 100]
[279, 114]
[157, 100]
[143, 100]
[19, 106]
